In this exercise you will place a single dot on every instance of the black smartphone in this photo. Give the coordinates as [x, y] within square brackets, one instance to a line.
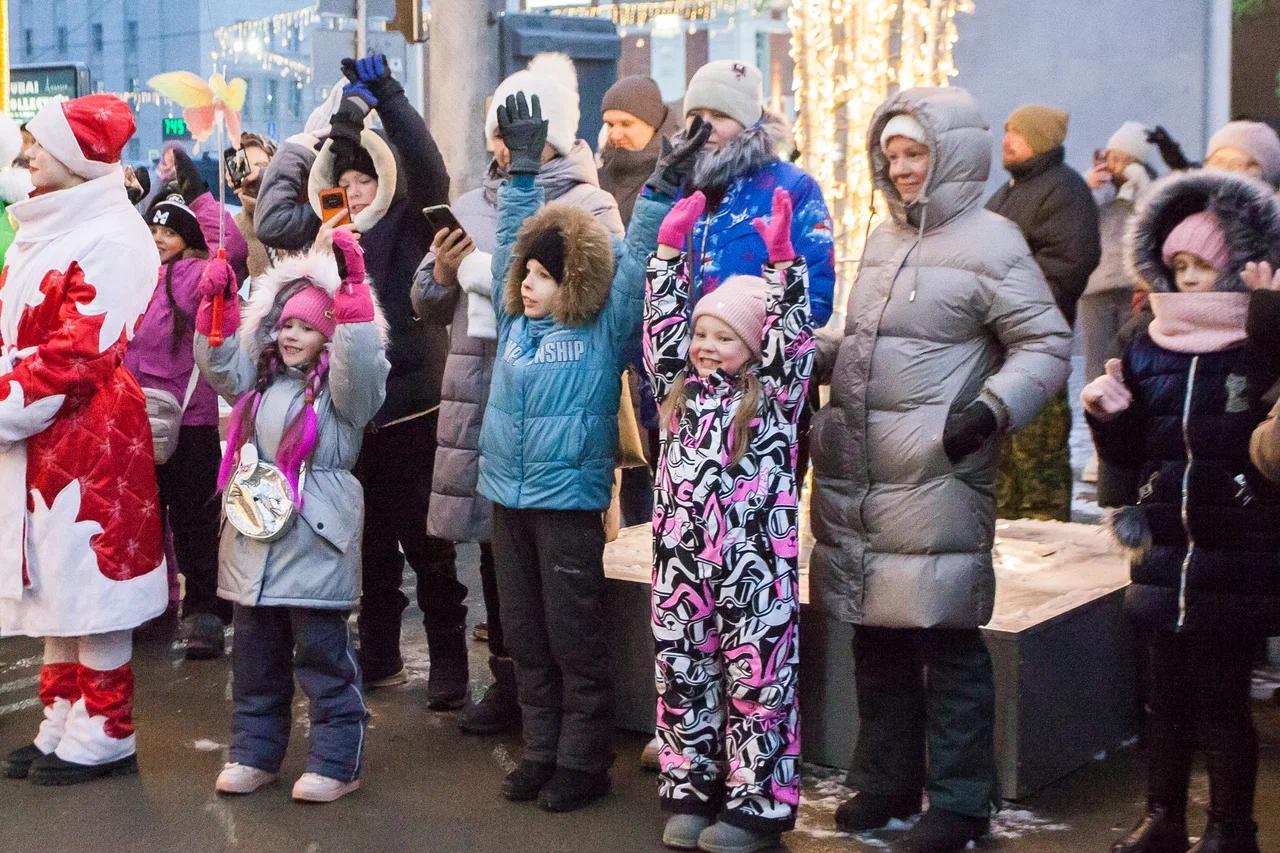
[238, 167]
[440, 216]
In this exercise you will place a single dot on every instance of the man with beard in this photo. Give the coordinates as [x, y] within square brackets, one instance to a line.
[738, 170]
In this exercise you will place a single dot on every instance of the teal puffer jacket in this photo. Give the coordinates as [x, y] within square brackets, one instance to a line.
[550, 430]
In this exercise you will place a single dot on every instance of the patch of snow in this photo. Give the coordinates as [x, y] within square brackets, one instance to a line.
[206, 745]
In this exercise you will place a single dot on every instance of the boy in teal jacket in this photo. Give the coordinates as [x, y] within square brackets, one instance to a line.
[569, 300]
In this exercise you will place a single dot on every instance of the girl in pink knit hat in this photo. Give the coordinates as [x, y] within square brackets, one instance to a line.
[306, 368]
[725, 598]
[1202, 530]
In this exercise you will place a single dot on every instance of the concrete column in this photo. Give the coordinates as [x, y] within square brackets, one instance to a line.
[1217, 107]
[462, 74]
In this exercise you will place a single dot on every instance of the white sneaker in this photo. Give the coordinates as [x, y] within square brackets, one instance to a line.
[242, 779]
[314, 788]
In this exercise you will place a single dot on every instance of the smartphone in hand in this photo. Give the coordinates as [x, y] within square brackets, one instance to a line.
[331, 200]
[440, 216]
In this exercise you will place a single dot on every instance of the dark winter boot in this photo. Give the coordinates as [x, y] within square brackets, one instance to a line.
[205, 636]
[865, 811]
[1228, 838]
[52, 770]
[524, 783]
[570, 790]
[1159, 831]
[498, 711]
[448, 680]
[18, 763]
[942, 831]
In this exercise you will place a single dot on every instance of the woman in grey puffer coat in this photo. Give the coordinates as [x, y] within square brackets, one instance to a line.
[952, 335]
[458, 512]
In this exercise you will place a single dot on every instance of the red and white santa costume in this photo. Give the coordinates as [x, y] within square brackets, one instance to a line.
[81, 554]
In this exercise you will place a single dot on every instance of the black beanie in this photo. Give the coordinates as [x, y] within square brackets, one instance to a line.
[172, 212]
[548, 249]
[357, 159]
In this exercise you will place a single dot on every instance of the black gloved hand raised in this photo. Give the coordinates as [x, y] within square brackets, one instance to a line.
[676, 163]
[524, 132]
[347, 123]
[190, 182]
[1170, 150]
[968, 429]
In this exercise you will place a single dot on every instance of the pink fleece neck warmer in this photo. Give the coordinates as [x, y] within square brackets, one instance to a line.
[1198, 322]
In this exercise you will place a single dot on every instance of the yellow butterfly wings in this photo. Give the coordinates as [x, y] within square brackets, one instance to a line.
[202, 102]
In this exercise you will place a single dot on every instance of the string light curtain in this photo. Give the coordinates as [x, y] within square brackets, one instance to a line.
[849, 56]
[266, 40]
[629, 14]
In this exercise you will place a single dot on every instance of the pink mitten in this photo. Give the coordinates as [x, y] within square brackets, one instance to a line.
[776, 232]
[350, 256]
[230, 317]
[679, 220]
[218, 278]
[353, 303]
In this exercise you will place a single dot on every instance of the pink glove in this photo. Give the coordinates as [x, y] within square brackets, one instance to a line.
[218, 278]
[350, 256]
[353, 303]
[679, 221]
[230, 317]
[776, 232]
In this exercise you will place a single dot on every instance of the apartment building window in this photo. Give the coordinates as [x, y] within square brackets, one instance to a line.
[273, 94]
[96, 31]
[62, 39]
[131, 34]
[28, 43]
[295, 100]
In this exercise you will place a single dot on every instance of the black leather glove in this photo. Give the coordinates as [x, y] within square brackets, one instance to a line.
[187, 177]
[374, 73]
[347, 123]
[524, 132]
[676, 163]
[968, 429]
[1170, 150]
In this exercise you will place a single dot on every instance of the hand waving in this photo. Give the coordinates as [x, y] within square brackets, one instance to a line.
[679, 221]
[1106, 397]
[524, 132]
[776, 232]
[1259, 276]
[676, 163]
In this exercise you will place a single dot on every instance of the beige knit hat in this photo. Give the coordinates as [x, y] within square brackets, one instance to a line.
[739, 302]
[728, 86]
[1043, 127]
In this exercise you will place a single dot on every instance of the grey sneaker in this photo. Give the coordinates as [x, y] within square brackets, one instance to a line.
[723, 837]
[682, 830]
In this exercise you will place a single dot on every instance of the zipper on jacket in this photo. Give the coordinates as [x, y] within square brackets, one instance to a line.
[1186, 479]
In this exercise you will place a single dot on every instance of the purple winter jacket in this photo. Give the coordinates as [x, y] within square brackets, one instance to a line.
[154, 358]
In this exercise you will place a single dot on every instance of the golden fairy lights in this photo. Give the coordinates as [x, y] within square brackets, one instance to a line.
[849, 56]
[266, 41]
[642, 14]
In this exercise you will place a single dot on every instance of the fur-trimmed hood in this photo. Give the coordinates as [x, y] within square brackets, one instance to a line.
[1246, 207]
[278, 284]
[384, 161]
[742, 155]
[588, 263]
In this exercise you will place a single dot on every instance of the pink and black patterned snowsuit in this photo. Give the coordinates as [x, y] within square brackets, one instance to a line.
[725, 595]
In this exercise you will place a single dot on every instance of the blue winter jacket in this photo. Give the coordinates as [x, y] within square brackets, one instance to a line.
[550, 432]
[724, 243]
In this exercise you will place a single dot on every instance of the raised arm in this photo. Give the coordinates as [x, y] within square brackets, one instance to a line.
[787, 351]
[666, 310]
[358, 367]
[227, 367]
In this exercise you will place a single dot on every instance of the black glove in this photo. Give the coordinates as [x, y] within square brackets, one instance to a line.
[374, 73]
[524, 132]
[676, 163]
[967, 430]
[189, 181]
[1170, 150]
[347, 123]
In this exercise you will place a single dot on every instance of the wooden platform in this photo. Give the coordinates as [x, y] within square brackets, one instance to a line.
[1062, 651]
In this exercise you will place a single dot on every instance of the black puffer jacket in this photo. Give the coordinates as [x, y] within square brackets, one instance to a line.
[1206, 526]
[395, 237]
[1052, 205]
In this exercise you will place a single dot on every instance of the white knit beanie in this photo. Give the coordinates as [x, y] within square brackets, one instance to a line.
[1256, 139]
[730, 87]
[550, 76]
[1131, 138]
[903, 124]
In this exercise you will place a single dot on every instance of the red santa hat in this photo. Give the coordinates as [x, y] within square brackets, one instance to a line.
[85, 134]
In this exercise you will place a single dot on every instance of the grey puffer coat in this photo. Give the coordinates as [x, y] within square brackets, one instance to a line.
[459, 513]
[317, 562]
[949, 306]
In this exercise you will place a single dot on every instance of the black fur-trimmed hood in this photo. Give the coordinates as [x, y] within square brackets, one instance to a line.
[589, 263]
[1245, 206]
[745, 153]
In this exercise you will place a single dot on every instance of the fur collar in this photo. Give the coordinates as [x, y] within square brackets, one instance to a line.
[747, 152]
[384, 160]
[1245, 206]
[277, 285]
[588, 263]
